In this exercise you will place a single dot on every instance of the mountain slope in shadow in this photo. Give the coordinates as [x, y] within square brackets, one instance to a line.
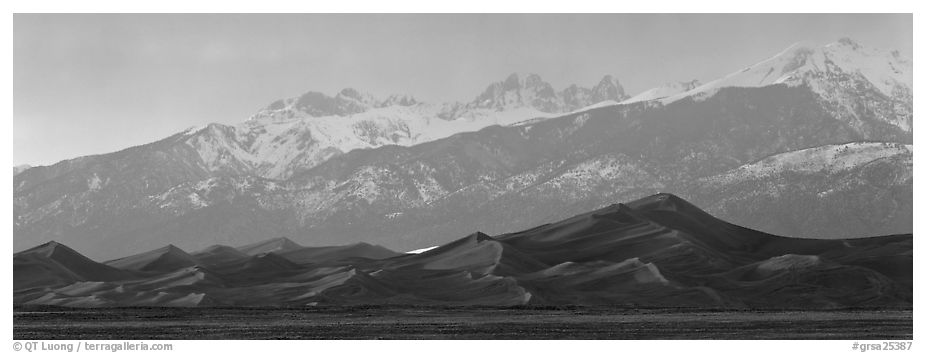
[658, 251]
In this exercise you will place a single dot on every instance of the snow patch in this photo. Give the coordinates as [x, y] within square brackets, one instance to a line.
[197, 201]
[418, 251]
[94, 183]
[602, 104]
[829, 159]
[669, 89]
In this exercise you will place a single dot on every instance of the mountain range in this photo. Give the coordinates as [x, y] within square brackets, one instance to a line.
[658, 251]
[814, 142]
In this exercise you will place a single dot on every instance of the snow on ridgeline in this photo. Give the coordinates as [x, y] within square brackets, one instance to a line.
[666, 90]
[887, 71]
[298, 133]
[830, 159]
[844, 74]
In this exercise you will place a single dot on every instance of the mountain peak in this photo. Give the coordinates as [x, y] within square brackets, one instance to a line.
[347, 101]
[403, 100]
[517, 90]
[608, 88]
[848, 42]
[350, 93]
[804, 63]
[531, 91]
[608, 80]
[363, 101]
[517, 80]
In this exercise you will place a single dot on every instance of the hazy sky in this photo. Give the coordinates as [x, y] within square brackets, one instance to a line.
[89, 84]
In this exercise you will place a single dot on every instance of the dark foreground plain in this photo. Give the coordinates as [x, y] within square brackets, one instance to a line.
[372, 322]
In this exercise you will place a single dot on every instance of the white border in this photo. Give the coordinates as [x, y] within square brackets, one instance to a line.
[393, 6]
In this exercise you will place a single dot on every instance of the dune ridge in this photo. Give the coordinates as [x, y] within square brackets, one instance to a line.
[657, 251]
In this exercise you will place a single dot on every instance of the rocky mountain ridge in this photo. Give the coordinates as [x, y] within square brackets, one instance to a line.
[395, 178]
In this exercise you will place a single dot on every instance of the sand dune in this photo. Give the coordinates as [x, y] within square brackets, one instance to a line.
[53, 264]
[327, 254]
[166, 259]
[218, 254]
[273, 245]
[265, 267]
[185, 277]
[658, 251]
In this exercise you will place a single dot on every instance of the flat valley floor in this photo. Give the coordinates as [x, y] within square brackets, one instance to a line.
[43, 323]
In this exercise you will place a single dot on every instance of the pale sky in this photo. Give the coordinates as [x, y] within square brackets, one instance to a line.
[90, 84]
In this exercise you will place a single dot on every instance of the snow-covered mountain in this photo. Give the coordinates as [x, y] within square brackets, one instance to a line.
[505, 178]
[841, 189]
[829, 159]
[407, 174]
[860, 83]
[295, 134]
[520, 90]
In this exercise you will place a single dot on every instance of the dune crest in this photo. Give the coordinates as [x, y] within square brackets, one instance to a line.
[658, 251]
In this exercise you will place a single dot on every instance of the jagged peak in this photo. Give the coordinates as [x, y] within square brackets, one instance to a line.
[609, 88]
[517, 80]
[350, 93]
[404, 100]
[609, 80]
[799, 61]
[347, 101]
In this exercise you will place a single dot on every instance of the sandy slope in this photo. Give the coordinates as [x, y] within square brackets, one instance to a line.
[657, 251]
